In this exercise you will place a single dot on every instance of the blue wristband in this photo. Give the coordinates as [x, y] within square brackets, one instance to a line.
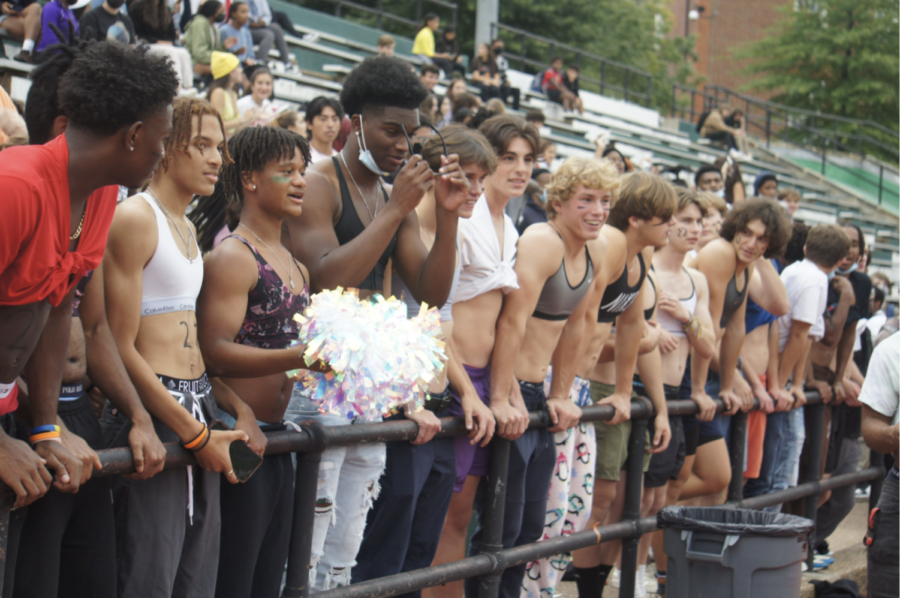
[42, 429]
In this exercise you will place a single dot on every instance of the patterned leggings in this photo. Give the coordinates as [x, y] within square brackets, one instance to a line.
[570, 496]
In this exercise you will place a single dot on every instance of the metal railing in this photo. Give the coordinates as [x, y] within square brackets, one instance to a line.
[489, 565]
[597, 74]
[382, 14]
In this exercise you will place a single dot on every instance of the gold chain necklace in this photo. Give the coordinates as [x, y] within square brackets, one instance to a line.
[80, 225]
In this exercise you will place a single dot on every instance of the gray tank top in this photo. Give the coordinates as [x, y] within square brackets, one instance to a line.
[558, 298]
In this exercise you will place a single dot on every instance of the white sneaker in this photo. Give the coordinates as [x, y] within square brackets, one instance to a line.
[614, 577]
[189, 92]
[640, 584]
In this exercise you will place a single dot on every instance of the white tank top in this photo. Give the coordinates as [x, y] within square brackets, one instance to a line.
[670, 324]
[170, 281]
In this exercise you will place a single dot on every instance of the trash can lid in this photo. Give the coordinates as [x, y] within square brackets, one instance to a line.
[726, 520]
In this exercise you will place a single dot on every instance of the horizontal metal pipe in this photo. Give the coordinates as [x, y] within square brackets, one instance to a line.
[411, 581]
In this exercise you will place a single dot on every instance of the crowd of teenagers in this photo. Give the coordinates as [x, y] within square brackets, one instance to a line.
[138, 321]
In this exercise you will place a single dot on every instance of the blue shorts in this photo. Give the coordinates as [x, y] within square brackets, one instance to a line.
[711, 430]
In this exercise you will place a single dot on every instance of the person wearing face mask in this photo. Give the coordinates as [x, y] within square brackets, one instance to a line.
[508, 93]
[107, 21]
[534, 209]
[202, 37]
[58, 13]
[351, 226]
[404, 526]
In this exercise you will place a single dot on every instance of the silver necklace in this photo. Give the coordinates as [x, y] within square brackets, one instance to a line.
[289, 268]
[363, 197]
[187, 242]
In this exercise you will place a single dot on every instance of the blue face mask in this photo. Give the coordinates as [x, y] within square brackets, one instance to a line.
[831, 275]
[543, 196]
[848, 270]
[365, 156]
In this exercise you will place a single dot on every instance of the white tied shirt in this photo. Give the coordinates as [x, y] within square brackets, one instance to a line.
[807, 289]
[881, 389]
[484, 266]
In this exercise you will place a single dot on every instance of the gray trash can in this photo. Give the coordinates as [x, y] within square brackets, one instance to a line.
[718, 552]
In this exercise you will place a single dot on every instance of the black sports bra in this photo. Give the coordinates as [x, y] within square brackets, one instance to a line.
[733, 298]
[648, 313]
[619, 296]
[349, 226]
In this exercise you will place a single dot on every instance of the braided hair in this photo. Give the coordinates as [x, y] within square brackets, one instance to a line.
[251, 150]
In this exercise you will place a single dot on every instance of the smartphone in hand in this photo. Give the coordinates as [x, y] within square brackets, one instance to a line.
[244, 461]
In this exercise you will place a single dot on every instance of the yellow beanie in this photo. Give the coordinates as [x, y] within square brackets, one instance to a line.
[223, 63]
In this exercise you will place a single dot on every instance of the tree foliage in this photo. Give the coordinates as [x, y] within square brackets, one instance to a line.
[835, 56]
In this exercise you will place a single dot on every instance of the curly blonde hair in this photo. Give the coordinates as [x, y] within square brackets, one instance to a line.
[575, 171]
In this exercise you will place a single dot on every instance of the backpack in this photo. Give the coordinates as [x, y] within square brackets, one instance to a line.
[701, 120]
[537, 84]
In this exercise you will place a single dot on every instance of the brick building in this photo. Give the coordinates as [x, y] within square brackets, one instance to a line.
[722, 27]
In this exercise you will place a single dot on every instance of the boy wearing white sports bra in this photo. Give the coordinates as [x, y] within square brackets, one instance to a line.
[153, 271]
[487, 253]
[686, 327]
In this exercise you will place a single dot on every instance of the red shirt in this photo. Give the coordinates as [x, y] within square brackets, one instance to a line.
[35, 213]
[552, 78]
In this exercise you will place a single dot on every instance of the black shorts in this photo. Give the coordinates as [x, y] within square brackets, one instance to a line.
[667, 465]
[554, 95]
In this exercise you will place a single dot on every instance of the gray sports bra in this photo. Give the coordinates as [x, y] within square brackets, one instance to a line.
[733, 298]
[558, 298]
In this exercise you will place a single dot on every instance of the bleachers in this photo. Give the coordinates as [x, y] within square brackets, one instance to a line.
[331, 47]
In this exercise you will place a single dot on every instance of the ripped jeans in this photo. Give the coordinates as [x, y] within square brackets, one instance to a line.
[347, 488]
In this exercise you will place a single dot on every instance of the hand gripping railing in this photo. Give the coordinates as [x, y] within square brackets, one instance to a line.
[494, 559]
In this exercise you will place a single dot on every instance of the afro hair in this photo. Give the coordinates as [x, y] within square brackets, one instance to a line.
[379, 82]
[110, 86]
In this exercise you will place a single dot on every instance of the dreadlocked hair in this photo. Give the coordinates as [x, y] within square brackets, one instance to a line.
[42, 104]
[184, 110]
[208, 216]
[251, 150]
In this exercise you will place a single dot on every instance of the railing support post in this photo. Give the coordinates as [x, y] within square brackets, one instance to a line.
[4, 537]
[631, 510]
[824, 146]
[305, 486]
[880, 181]
[492, 516]
[627, 73]
[737, 444]
[815, 424]
[768, 126]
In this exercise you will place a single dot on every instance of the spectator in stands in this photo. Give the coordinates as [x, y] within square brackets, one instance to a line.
[423, 45]
[259, 98]
[709, 178]
[429, 107]
[153, 23]
[507, 90]
[246, 329]
[202, 37]
[485, 75]
[323, 122]
[430, 75]
[766, 185]
[463, 116]
[548, 155]
[735, 192]
[457, 87]
[790, 199]
[716, 209]
[535, 118]
[58, 13]
[108, 22]
[269, 26]
[446, 54]
[386, 45]
[570, 82]
[13, 130]
[554, 87]
[290, 120]
[713, 126]
[113, 98]
[495, 106]
[534, 209]
[382, 96]
[466, 100]
[222, 93]
[238, 27]
[23, 22]
[444, 113]
[881, 412]
[618, 158]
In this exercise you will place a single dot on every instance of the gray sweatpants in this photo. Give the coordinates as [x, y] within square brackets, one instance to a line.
[266, 37]
[884, 542]
[839, 505]
[164, 550]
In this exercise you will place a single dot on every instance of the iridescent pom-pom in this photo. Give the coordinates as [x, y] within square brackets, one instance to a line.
[380, 359]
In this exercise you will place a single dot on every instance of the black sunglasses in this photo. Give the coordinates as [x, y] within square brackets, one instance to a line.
[416, 148]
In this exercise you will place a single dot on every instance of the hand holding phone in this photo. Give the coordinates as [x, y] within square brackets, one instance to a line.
[244, 461]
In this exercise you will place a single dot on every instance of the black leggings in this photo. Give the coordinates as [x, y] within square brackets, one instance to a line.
[725, 136]
[256, 530]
